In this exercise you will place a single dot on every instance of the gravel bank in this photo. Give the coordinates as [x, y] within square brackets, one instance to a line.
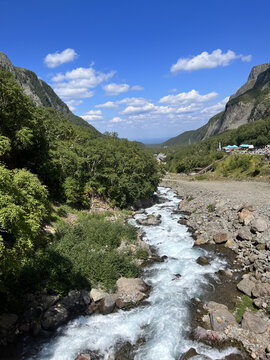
[232, 215]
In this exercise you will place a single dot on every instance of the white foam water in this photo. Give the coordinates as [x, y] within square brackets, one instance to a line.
[164, 322]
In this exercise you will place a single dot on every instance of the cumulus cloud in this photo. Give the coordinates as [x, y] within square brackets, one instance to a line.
[137, 88]
[73, 103]
[56, 59]
[116, 89]
[214, 109]
[138, 109]
[108, 105]
[77, 82]
[92, 115]
[66, 92]
[207, 60]
[116, 119]
[187, 97]
[133, 101]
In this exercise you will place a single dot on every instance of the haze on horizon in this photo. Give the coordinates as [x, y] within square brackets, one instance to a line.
[146, 70]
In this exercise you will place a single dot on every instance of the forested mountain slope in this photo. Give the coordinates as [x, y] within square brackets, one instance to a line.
[250, 103]
[40, 92]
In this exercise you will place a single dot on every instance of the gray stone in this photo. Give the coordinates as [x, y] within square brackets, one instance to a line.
[203, 261]
[97, 294]
[244, 233]
[259, 224]
[221, 318]
[83, 357]
[221, 238]
[54, 317]
[107, 305]
[261, 290]
[254, 323]
[151, 220]
[246, 286]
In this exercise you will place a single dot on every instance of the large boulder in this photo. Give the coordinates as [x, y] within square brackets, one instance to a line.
[54, 317]
[221, 238]
[245, 216]
[254, 323]
[97, 294]
[259, 224]
[131, 289]
[246, 286]
[7, 323]
[76, 299]
[261, 290]
[107, 305]
[220, 317]
[244, 233]
[151, 220]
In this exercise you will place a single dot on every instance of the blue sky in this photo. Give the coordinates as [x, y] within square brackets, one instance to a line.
[145, 69]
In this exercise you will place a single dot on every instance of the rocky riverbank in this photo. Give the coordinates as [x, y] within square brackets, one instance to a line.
[235, 216]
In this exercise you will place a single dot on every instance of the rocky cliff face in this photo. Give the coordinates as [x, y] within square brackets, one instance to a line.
[250, 103]
[39, 91]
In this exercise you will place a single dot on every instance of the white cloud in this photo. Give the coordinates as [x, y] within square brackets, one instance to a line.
[133, 101]
[214, 109]
[107, 105]
[73, 103]
[115, 89]
[138, 109]
[187, 97]
[77, 82]
[92, 115]
[137, 88]
[116, 119]
[207, 61]
[71, 93]
[56, 59]
[174, 90]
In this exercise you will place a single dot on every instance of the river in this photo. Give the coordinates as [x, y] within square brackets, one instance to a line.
[164, 321]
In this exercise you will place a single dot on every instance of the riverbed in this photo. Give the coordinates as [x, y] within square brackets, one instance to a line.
[158, 329]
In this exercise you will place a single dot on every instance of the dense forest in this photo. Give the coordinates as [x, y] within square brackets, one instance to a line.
[46, 160]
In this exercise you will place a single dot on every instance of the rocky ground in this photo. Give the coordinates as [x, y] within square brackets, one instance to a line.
[232, 215]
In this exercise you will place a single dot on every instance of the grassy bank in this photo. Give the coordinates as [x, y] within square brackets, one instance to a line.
[83, 253]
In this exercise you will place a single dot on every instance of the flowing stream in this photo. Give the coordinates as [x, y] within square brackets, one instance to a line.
[164, 321]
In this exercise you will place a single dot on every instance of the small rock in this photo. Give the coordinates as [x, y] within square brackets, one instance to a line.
[203, 261]
[83, 357]
[189, 354]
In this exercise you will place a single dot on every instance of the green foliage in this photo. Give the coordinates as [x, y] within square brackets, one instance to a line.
[91, 248]
[211, 208]
[186, 159]
[241, 165]
[43, 156]
[243, 304]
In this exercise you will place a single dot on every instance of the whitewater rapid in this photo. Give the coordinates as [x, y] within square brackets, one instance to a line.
[163, 323]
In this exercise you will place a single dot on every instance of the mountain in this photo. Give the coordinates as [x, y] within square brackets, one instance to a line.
[250, 103]
[40, 92]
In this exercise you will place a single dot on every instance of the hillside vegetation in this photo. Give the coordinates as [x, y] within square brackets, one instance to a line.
[188, 158]
[45, 160]
[250, 103]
